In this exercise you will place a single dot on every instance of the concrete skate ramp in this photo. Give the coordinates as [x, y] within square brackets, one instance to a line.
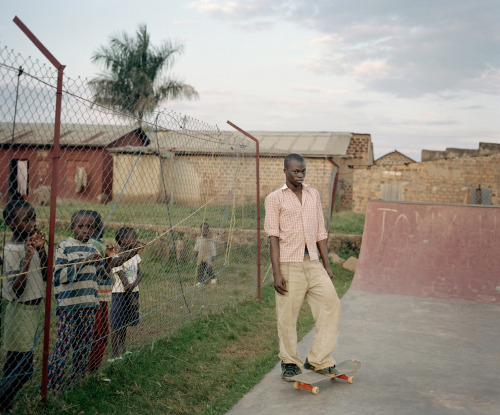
[431, 250]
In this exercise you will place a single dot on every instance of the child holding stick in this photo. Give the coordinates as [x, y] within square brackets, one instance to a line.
[125, 297]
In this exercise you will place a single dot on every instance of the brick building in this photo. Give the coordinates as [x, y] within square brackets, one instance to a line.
[199, 170]
[330, 156]
[393, 158]
[461, 176]
[97, 160]
[85, 163]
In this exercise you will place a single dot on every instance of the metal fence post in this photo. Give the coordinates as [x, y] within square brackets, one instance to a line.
[53, 199]
[257, 174]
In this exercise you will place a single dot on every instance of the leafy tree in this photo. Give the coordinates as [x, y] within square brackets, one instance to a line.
[134, 80]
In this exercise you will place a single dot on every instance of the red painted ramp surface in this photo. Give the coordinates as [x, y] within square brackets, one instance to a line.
[430, 250]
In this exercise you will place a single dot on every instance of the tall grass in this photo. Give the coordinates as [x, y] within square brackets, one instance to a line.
[348, 222]
[245, 216]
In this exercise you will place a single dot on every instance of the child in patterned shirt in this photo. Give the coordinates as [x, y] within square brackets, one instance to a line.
[125, 302]
[25, 266]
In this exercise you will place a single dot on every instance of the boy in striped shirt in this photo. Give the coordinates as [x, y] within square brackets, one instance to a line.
[75, 290]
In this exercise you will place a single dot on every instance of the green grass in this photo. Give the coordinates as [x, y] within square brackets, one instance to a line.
[345, 222]
[197, 370]
[162, 215]
[164, 305]
[348, 222]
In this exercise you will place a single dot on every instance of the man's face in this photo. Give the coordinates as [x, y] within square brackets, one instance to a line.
[295, 172]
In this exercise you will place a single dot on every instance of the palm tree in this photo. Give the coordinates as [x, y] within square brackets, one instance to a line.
[134, 81]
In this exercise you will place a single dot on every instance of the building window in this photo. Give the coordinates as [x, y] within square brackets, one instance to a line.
[390, 192]
[479, 196]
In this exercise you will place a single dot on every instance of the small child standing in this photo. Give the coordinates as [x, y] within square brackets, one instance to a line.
[75, 290]
[125, 302]
[26, 260]
[204, 249]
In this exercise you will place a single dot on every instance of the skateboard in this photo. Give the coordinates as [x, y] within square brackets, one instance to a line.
[309, 378]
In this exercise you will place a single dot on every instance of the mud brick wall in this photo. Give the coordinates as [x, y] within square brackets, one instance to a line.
[318, 175]
[196, 179]
[393, 158]
[359, 156]
[442, 181]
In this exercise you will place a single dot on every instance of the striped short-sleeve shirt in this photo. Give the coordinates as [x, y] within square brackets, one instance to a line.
[75, 287]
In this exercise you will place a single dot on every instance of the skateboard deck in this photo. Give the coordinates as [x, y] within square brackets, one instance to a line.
[307, 379]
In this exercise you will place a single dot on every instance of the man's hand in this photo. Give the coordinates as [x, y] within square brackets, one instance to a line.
[329, 272]
[279, 281]
[280, 284]
[323, 251]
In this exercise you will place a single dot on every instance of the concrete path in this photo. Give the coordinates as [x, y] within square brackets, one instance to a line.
[419, 356]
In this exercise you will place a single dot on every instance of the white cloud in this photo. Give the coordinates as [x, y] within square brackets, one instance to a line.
[328, 39]
[416, 48]
[231, 9]
[216, 92]
[307, 88]
[184, 22]
[371, 68]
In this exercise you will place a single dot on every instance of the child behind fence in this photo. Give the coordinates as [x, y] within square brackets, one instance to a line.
[101, 325]
[25, 266]
[75, 290]
[125, 302]
[204, 249]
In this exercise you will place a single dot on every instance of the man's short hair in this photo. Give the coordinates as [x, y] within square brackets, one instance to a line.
[293, 156]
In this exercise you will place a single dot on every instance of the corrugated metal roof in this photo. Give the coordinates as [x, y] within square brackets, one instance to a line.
[88, 135]
[306, 143]
[313, 144]
[197, 141]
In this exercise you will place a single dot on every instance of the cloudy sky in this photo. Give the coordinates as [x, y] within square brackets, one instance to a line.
[414, 74]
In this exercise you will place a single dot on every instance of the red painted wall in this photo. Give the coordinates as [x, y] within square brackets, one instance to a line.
[98, 164]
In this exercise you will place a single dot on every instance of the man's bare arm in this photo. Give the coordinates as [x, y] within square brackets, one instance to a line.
[279, 281]
[323, 250]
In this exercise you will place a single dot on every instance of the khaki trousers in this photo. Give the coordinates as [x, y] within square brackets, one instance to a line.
[308, 280]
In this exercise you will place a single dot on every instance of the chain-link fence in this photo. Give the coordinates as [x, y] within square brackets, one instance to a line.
[153, 225]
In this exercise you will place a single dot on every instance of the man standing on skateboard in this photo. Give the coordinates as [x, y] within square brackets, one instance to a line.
[296, 229]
